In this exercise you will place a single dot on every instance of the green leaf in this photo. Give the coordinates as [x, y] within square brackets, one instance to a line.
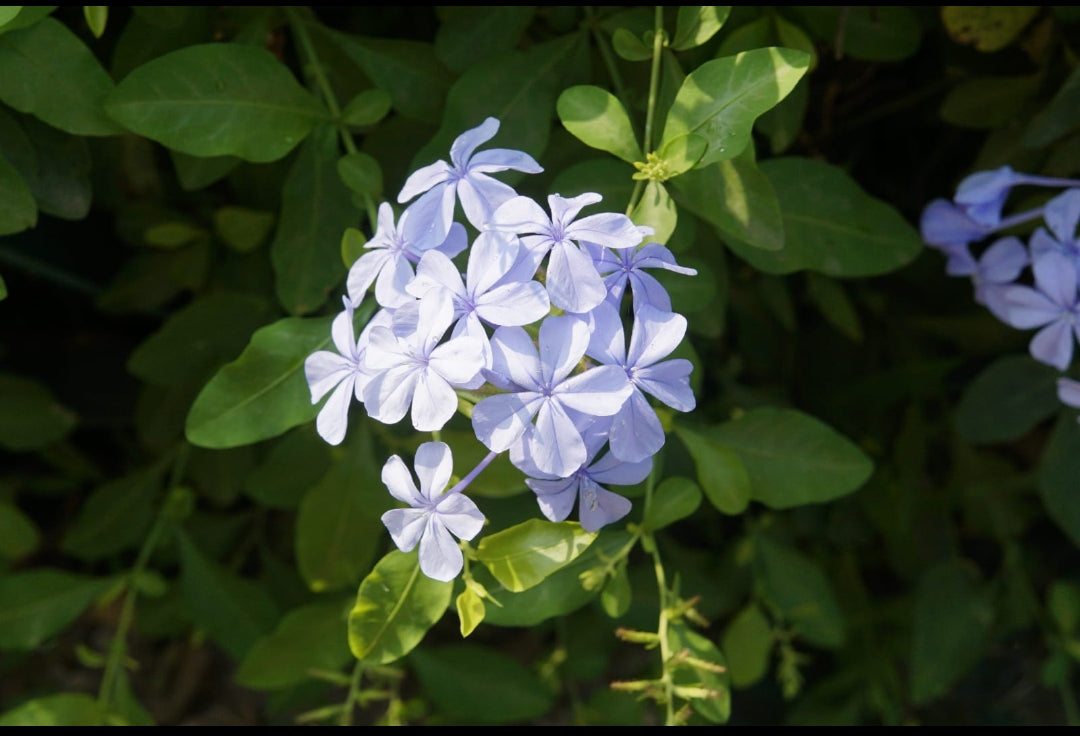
[115, 517]
[675, 498]
[1063, 604]
[96, 17]
[716, 708]
[1007, 400]
[737, 198]
[8, 13]
[519, 88]
[1058, 117]
[598, 119]
[470, 610]
[219, 99]
[312, 637]
[792, 458]
[18, 210]
[316, 209]
[989, 102]
[562, 592]
[681, 154]
[831, 225]
[195, 172]
[25, 15]
[205, 334]
[952, 618]
[3, 289]
[799, 590]
[294, 464]
[469, 34]
[367, 108]
[523, 555]
[62, 709]
[337, 531]
[30, 416]
[657, 210]
[616, 596]
[986, 28]
[834, 304]
[877, 33]
[241, 229]
[521, 694]
[721, 99]
[53, 164]
[263, 392]
[407, 70]
[1058, 470]
[395, 607]
[18, 535]
[234, 611]
[37, 605]
[748, 642]
[48, 72]
[361, 173]
[628, 46]
[720, 471]
[696, 24]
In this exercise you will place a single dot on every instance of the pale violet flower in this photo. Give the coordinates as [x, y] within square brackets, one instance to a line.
[1052, 305]
[635, 433]
[573, 282]
[465, 178]
[343, 371]
[539, 385]
[1068, 392]
[433, 515]
[483, 296]
[626, 267]
[597, 505]
[416, 370]
[388, 262]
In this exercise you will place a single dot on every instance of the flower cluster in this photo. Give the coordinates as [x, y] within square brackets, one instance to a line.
[529, 341]
[1026, 285]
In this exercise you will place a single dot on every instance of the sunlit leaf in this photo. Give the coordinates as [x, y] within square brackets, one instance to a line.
[696, 24]
[675, 498]
[523, 555]
[395, 607]
[598, 119]
[62, 709]
[721, 99]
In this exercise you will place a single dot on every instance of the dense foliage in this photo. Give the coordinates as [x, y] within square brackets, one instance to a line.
[860, 506]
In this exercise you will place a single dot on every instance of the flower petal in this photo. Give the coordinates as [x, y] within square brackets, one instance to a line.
[434, 463]
[440, 556]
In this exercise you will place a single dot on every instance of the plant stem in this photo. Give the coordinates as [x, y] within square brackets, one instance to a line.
[353, 696]
[654, 92]
[662, 625]
[609, 60]
[321, 81]
[118, 645]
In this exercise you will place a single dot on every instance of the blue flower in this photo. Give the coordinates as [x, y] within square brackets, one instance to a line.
[433, 516]
[1052, 305]
[465, 177]
[539, 386]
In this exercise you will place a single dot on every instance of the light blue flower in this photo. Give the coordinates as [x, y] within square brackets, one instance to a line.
[635, 432]
[1052, 305]
[627, 267]
[465, 178]
[539, 386]
[411, 368]
[388, 262]
[573, 282]
[433, 515]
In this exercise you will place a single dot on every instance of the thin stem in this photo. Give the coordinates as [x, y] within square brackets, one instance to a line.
[662, 625]
[353, 696]
[654, 92]
[464, 482]
[608, 58]
[321, 81]
[118, 645]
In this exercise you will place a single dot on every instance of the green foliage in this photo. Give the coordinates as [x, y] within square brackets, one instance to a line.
[892, 520]
[395, 606]
[219, 99]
